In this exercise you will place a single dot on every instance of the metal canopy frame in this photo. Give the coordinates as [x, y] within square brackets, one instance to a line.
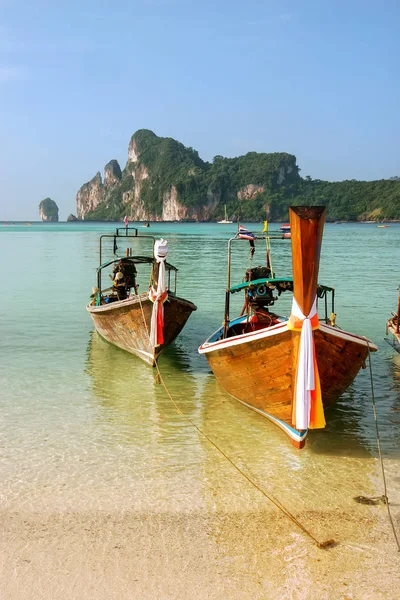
[322, 290]
[126, 235]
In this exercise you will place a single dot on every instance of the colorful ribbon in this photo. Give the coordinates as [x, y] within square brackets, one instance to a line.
[158, 296]
[308, 411]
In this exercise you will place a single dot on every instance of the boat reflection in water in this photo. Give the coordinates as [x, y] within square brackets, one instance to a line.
[157, 452]
[135, 404]
[131, 395]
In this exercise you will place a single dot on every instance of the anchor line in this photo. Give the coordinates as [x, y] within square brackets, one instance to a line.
[322, 545]
[378, 441]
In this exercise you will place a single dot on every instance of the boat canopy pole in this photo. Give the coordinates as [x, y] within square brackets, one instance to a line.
[227, 299]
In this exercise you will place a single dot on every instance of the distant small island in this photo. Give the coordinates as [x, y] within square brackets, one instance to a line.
[163, 180]
[48, 210]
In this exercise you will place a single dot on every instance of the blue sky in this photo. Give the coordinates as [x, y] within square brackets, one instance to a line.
[314, 78]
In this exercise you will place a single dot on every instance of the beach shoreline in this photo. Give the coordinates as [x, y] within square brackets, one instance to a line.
[237, 554]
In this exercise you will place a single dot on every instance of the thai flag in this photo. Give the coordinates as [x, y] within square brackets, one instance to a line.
[245, 234]
[126, 221]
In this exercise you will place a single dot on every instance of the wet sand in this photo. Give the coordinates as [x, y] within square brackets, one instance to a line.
[213, 553]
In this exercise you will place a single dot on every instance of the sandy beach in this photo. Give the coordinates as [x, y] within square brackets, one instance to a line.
[211, 554]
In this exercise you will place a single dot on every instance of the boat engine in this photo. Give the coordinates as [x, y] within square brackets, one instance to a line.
[260, 295]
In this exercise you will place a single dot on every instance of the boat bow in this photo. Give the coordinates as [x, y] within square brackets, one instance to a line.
[306, 225]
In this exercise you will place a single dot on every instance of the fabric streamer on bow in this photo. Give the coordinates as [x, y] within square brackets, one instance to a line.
[308, 410]
[158, 296]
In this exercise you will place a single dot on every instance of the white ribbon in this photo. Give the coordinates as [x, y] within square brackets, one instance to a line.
[160, 254]
[305, 381]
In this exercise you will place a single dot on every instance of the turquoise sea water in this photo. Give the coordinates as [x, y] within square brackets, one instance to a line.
[85, 429]
[51, 360]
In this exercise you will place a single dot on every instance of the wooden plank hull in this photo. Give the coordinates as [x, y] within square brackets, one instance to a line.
[126, 323]
[394, 340]
[258, 368]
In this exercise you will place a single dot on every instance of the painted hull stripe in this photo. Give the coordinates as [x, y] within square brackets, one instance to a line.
[241, 339]
[296, 435]
[276, 330]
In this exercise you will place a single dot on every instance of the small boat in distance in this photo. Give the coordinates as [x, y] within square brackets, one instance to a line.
[382, 226]
[285, 229]
[226, 220]
[393, 327]
[283, 233]
[287, 370]
[140, 323]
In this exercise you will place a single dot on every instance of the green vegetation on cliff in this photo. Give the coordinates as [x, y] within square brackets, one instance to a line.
[270, 173]
[169, 163]
[255, 184]
[353, 200]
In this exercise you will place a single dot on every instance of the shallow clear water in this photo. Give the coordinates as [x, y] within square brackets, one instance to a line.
[52, 363]
[85, 426]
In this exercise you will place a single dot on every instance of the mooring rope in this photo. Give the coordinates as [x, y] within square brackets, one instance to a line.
[384, 497]
[372, 500]
[322, 545]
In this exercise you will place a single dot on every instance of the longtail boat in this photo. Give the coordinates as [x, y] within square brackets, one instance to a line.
[393, 328]
[286, 369]
[140, 323]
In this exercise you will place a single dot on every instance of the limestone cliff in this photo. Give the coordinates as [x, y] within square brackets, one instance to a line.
[249, 192]
[165, 181]
[48, 210]
[112, 174]
[90, 196]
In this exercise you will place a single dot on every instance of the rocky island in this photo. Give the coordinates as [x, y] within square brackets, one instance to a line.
[163, 180]
[48, 210]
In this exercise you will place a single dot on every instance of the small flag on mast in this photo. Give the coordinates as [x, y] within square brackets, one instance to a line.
[126, 221]
[245, 234]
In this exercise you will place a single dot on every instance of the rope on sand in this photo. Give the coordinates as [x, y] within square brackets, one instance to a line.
[159, 379]
[384, 498]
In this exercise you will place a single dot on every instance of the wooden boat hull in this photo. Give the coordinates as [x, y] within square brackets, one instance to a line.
[126, 323]
[258, 368]
[394, 340]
